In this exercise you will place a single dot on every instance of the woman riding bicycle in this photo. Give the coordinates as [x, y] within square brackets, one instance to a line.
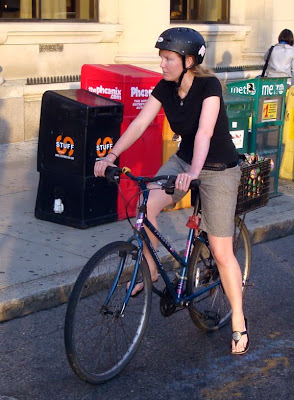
[192, 100]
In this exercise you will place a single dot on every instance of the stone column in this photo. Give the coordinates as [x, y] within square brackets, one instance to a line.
[280, 18]
[142, 22]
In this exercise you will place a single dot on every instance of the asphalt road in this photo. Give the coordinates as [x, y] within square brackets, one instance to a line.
[176, 361]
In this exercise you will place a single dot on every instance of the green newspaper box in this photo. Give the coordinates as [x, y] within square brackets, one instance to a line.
[267, 119]
[239, 111]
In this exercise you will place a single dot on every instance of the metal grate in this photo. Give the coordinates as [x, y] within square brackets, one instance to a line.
[77, 78]
[238, 68]
[53, 79]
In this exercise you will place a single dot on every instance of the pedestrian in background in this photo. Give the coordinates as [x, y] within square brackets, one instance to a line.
[281, 57]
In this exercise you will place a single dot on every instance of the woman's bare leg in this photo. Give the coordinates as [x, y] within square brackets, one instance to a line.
[231, 277]
[157, 200]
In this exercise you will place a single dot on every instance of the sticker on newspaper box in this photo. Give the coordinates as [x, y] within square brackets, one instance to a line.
[238, 138]
[269, 110]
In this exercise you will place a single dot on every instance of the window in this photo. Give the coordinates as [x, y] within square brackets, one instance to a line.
[211, 11]
[75, 10]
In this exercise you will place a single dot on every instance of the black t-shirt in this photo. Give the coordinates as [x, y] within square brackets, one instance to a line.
[183, 116]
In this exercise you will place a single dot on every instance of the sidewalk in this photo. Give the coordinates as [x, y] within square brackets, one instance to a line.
[40, 260]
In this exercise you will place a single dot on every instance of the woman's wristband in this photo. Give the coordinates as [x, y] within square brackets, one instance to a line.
[105, 158]
[113, 155]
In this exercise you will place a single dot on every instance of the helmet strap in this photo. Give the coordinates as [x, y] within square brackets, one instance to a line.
[183, 72]
[185, 69]
[181, 77]
[184, 61]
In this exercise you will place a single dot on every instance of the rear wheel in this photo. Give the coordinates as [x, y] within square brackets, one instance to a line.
[211, 310]
[100, 340]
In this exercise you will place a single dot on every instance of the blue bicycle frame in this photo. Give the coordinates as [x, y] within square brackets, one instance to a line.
[141, 235]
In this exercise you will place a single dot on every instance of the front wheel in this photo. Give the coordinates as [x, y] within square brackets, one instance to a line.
[211, 310]
[100, 336]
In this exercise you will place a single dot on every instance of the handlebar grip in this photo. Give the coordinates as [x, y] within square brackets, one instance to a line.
[169, 186]
[195, 183]
[112, 174]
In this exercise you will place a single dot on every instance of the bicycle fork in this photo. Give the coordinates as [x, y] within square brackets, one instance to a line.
[123, 256]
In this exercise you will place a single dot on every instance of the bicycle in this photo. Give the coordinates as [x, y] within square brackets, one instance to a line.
[104, 325]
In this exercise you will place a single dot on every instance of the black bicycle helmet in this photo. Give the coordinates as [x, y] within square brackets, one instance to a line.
[184, 41]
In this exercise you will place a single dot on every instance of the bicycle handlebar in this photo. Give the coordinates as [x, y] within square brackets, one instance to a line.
[112, 174]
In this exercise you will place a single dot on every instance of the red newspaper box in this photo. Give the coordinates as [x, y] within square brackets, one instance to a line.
[132, 86]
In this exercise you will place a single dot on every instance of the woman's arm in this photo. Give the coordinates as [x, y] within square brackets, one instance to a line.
[207, 121]
[131, 134]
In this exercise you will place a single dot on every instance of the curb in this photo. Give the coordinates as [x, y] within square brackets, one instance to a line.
[54, 290]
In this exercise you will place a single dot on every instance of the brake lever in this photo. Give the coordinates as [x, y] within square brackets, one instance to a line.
[169, 186]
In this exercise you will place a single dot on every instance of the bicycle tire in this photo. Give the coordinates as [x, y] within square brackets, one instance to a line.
[211, 310]
[99, 341]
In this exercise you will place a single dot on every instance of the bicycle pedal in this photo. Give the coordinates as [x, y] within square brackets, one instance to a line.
[156, 291]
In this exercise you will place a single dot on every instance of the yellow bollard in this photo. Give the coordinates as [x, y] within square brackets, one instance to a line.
[287, 165]
[168, 149]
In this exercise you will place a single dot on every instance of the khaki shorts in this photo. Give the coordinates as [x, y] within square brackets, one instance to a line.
[218, 192]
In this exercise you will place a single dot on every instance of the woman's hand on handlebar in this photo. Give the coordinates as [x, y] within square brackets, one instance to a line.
[183, 181]
[101, 165]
